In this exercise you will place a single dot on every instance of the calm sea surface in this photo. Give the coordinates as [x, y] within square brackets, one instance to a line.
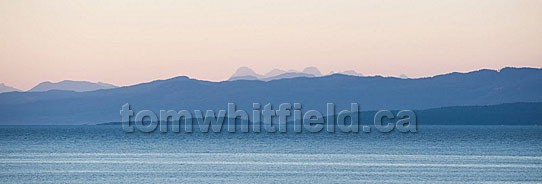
[105, 154]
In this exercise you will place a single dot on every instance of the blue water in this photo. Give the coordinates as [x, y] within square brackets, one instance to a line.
[105, 154]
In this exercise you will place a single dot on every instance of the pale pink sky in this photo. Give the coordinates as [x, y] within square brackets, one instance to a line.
[128, 42]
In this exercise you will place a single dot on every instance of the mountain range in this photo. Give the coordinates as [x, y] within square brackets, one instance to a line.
[69, 85]
[477, 88]
[4, 88]
[66, 85]
[245, 73]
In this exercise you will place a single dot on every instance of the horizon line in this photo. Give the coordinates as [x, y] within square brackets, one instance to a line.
[286, 71]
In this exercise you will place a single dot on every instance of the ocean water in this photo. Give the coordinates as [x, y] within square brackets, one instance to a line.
[435, 154]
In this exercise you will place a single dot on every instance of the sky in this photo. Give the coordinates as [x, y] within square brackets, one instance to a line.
[129, 42]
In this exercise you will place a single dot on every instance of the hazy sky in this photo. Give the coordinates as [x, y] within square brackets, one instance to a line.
[127, 42]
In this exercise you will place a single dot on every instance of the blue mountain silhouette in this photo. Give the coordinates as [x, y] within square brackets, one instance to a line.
[483, 87]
